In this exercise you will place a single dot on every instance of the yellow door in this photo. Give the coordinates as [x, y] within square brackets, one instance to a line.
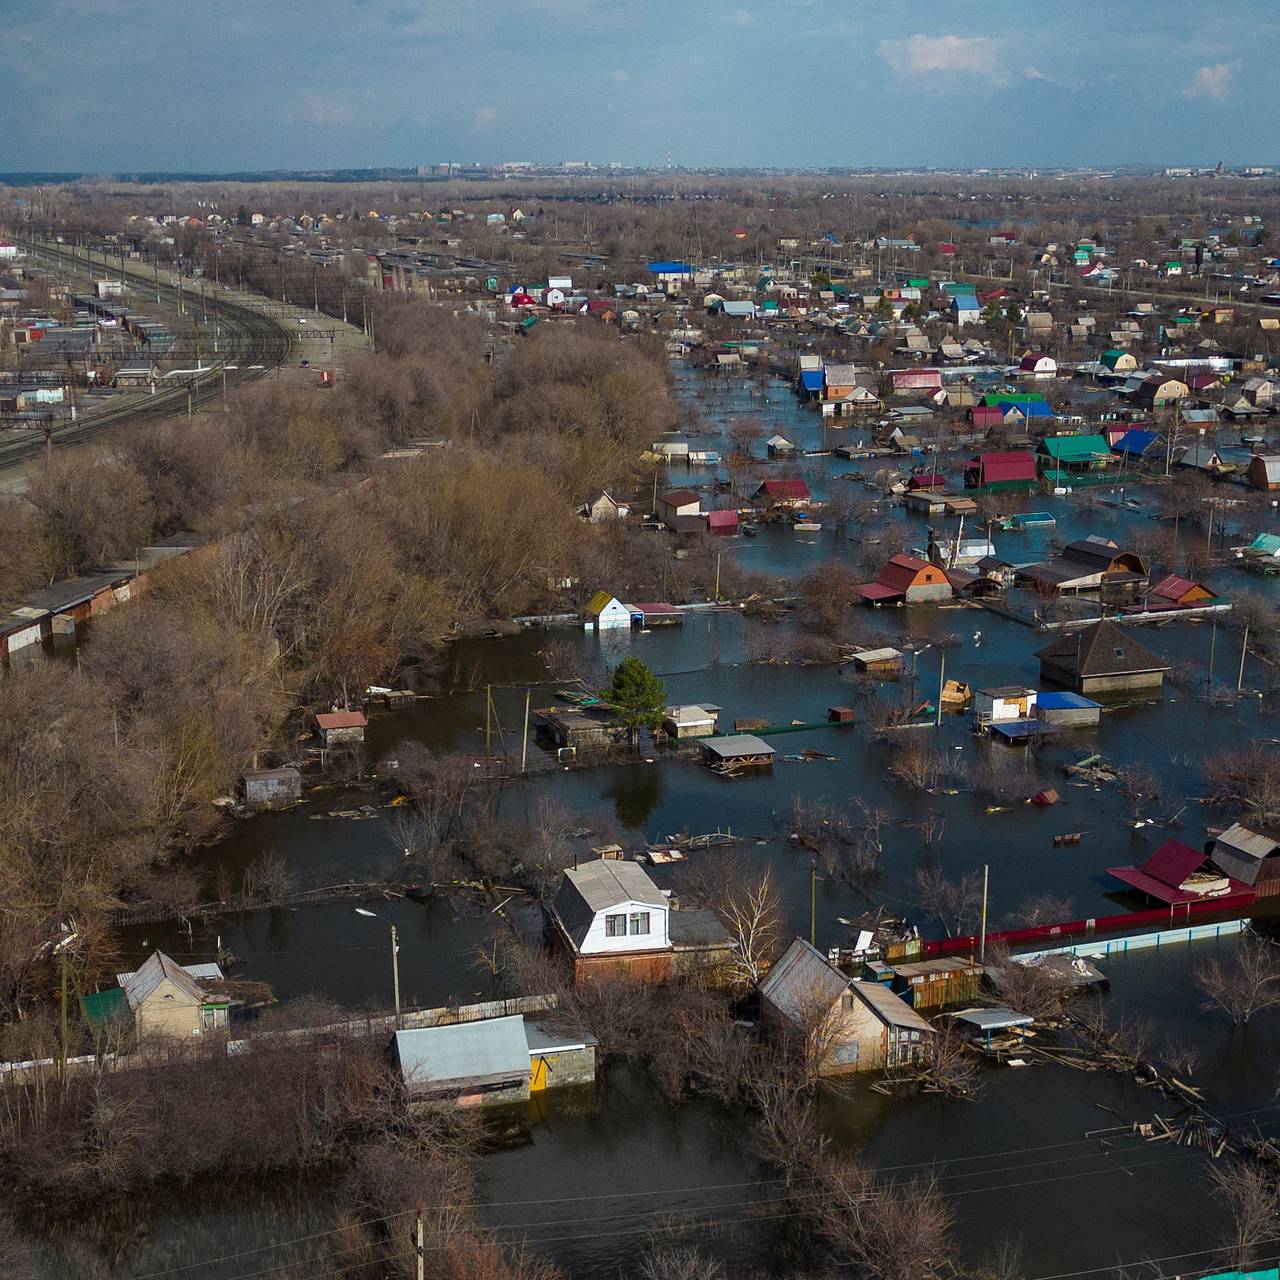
[538, 1075]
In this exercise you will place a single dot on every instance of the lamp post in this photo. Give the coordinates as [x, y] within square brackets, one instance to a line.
[395, 954]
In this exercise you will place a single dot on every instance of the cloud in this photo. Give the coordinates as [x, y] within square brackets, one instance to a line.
[1213, 83]
[484, 119]
[740, 18]
[620, 75]
[1034, 73]
[943, 57]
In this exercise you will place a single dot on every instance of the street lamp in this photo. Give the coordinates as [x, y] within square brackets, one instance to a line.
[395, 954]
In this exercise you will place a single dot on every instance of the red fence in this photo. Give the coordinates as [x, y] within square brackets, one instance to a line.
[1063, 934]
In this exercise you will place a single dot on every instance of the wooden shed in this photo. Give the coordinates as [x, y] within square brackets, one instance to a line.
[933, 984]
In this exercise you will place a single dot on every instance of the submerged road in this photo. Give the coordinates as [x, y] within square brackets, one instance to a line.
[257, 344]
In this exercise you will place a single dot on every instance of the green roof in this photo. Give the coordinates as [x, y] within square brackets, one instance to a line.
[1075, 448]
[920, 282]
[1113, 357]
[101, 1008]
[998, 398]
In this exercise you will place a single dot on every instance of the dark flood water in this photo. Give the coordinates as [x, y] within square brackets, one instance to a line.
[593, 1175]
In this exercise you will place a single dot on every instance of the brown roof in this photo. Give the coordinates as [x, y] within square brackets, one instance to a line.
[679, 497]
[341, 720]
[1103, 649]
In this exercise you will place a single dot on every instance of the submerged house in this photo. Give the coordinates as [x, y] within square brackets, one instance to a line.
[1010, 469]
[784, 493]
[604, 612]
[846, 1025]
[1088, 564]
[1101, 658]
[907, 580]
[608, 917]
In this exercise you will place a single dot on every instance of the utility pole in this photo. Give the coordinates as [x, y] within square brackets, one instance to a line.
[488, 707]
[717, 577]
[1213, 643]
[982, 932]
[395, 969]
[524, 742]
[62, 1060]
[1244, 649]
[942, 680]
[420, 1235]
[813, 902]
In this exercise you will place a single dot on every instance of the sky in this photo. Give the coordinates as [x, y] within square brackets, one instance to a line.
[218, 85]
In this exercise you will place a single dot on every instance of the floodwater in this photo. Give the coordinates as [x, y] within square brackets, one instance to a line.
[594, 1175]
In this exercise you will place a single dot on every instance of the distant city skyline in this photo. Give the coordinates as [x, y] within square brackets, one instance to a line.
[128, 85]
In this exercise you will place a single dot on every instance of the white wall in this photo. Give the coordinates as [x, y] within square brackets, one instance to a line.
[596, 943]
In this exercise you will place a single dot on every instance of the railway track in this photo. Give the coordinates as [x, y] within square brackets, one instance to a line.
[259, 345]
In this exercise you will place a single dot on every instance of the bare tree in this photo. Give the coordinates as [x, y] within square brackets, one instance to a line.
[953, 903]
[1247, 985]
[751, 911]
[1252, 1197]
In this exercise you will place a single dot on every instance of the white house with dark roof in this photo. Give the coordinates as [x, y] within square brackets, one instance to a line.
[610, 918]
[611, 907]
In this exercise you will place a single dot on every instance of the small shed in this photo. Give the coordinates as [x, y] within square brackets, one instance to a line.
[780, 447]
[932, 984]
[691, 721]
[1008, 702]
[884, 662]
[334, 727]
[605, 612]
[473, 1063]
[1264, 471]
[1250, 857]
[1065, 710]
[271, 788]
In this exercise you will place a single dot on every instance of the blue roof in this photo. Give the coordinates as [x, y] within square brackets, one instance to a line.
[965, 302]
[670, 268]
[1135, 441]
[1063, 701]
[1036, 408]
[812, 379]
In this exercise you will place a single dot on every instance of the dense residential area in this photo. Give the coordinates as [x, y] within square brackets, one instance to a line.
[706, 716]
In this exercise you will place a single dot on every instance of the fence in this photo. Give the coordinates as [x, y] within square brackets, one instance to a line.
[1127, 921]
[386, 1025]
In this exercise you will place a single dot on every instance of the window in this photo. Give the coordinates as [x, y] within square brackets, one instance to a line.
[639, 922]
[615, 926]
[1119, 652]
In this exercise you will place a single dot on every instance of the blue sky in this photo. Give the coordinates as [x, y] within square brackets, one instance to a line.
[111, 85]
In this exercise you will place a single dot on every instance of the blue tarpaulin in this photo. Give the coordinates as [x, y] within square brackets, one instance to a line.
[812, 379]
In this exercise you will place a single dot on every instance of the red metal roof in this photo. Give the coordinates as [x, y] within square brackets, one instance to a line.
[900, 572]
[655, 607]
[1172, 587]
[1013, 464]
[722, 519]
[1173, 862]
[785, 489]
[878, 591]
[986, 415]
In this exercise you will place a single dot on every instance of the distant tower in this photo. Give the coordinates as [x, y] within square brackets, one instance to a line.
[669, 165]
[1222, 168]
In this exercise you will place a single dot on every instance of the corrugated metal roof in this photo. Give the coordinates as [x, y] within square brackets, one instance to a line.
[148, 978]
[1251, 843]
[802, 981]
[492, 1048]
[200, 972]
[888, 1007]
[992, 1019]
[608, 882]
